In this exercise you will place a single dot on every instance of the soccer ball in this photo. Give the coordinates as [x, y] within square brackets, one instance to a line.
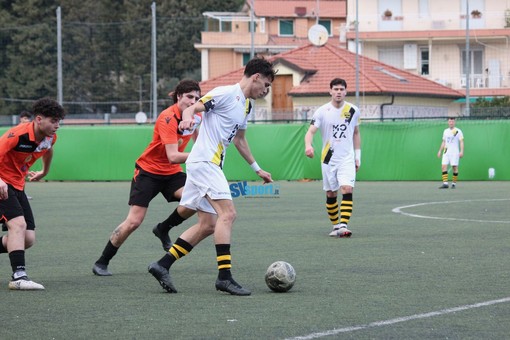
[280, 276]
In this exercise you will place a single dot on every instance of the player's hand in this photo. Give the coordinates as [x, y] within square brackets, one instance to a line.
[439, 154]
[358, 164]
[309, 152]
[186, 124]
[34, 176]
[4, 193]
[266, 176]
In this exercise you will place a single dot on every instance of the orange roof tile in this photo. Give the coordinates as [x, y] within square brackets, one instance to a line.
[321, 64]
[293, 8]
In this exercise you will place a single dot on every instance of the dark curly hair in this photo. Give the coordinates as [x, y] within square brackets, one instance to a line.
[48, 107]
[185, 86]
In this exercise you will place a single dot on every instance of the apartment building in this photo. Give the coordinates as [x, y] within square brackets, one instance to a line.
[431, 38]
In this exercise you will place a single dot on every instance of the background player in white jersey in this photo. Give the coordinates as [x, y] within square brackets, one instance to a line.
[452, 148]
[341, 153]
[226, 111]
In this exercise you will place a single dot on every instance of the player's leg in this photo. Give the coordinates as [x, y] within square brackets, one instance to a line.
[14, 243]
[222, 240]
[172, 191]
[182, 247]
[118, 237]
[330, 186]
[345, 210]
[455, 169]
[444, 172]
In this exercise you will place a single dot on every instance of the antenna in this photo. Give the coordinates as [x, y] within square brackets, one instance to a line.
[318, 35]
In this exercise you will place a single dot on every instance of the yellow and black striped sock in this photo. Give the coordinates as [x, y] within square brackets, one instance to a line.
[179, 249]
[332, 208]
[346, 209]
[224, 260]
[455, 176]
[445, 176]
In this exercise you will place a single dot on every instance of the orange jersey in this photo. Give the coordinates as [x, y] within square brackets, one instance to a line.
[19, 151]
[166, 131]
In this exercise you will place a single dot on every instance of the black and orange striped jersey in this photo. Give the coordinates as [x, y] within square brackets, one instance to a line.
[18, 152]
[166, 131]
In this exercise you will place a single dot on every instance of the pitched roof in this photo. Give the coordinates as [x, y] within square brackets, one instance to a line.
[321, 64]
[301, 8]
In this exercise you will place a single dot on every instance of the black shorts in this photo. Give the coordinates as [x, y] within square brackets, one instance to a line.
[16, 205]
[145, 186]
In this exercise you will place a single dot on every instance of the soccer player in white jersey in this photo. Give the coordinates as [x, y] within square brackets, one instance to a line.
[452, 149]
[226, 112]
[341, 153]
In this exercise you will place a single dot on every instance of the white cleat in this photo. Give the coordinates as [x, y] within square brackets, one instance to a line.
[340, 232]
[24, 283]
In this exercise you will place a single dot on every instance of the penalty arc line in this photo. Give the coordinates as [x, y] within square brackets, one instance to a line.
[398, 210]
[398, 320]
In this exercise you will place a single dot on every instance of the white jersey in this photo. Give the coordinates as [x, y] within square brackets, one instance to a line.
[452, 138]
[337, 130]
[226, 111]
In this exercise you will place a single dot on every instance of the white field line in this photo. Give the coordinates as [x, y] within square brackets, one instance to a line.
[398, 210]
[398, 320]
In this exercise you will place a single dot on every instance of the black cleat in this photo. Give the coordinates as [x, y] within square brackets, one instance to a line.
[444, 186]
[454, 185]
[163, 276]
[163, 237]
[101, 270]
[232, 287]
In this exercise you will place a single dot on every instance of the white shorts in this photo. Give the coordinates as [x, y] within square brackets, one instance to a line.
[204, 178]
[450, 158]
[335, 176]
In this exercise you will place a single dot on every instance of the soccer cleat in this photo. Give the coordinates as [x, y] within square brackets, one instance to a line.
[24, 283]
[232, 287]
[101, 270]
[444, 186]
[163, 237]
[163, 276]
[454, 185]
[334, 232]
[340, 232]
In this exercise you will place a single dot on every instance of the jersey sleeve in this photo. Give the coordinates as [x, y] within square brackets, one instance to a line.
[168, 129]
[7, 142]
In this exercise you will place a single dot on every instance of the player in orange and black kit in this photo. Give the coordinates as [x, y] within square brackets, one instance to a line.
[20, 147]
[157, 170]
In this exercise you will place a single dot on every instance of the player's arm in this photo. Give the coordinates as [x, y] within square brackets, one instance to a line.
[244, 149]
[46, 163]
[356, 139]
[461, 153]
[6, 144]
[441, 148]
[309, 152]
[187, 121]
[173, 154]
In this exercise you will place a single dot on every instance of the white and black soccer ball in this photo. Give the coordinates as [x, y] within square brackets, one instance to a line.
[280, 276]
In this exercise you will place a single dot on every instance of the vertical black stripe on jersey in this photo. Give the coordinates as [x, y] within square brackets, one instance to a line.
[328, 156]
[351, 114]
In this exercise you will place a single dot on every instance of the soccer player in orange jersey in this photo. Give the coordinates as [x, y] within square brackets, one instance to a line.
[157, 170]
[20, 147]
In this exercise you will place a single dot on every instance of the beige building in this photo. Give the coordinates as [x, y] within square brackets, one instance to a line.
[426, 38]
[429, 38]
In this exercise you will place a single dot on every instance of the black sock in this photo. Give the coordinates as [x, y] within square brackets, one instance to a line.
[108, 253]
[172, 221]
[17, 258]
[2, 248]
[179, 249]
[224, 260]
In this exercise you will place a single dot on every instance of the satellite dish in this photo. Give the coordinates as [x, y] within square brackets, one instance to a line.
[141, 117]
[318, 35]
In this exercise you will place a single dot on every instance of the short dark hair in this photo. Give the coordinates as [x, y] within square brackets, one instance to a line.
[338, 81]
[185, 86]
[25, 114]
[260, 65]
[48, 107]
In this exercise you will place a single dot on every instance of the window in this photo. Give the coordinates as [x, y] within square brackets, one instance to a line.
[424, 8]
[476, 62]
[424, 61]
[246, 58]
[327, 24]
[393, 56]
[286, 27]
[214, 25]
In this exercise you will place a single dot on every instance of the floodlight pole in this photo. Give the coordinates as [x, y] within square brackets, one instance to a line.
[60, 91]
[252, 30]
[357, 54]
[468, 63]
[154, 67]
